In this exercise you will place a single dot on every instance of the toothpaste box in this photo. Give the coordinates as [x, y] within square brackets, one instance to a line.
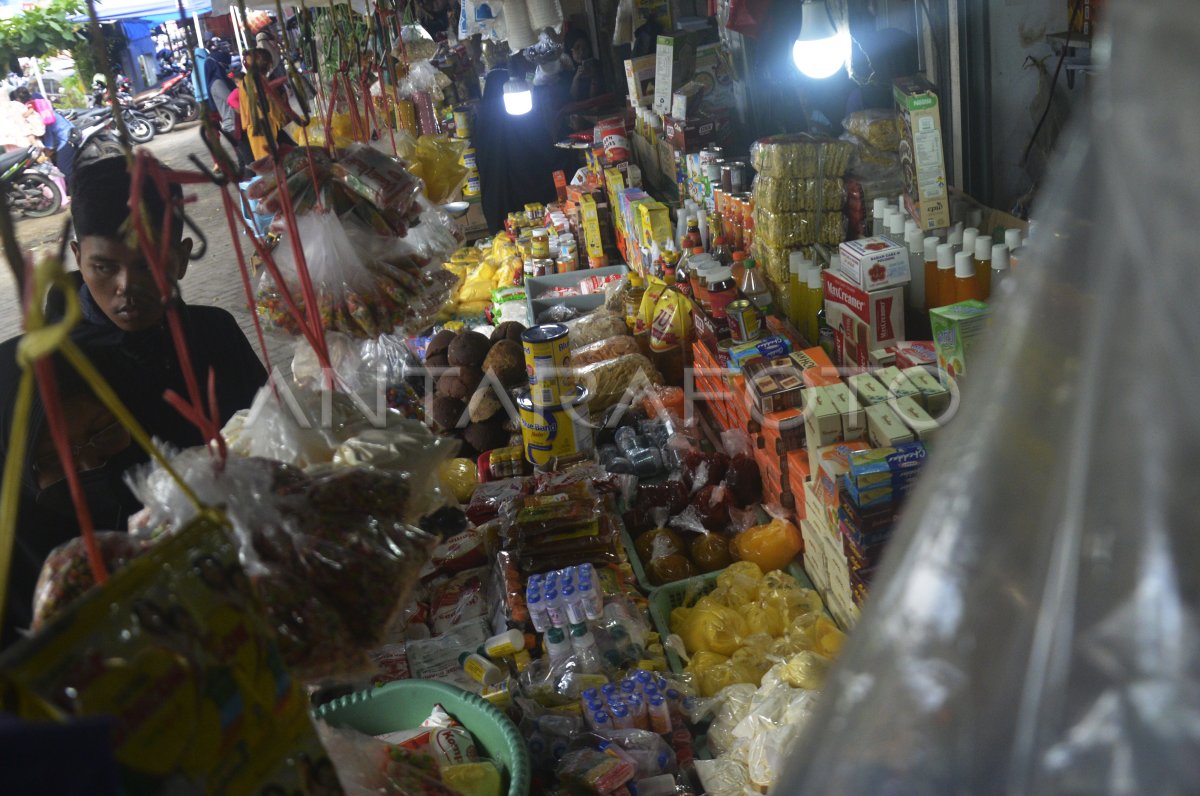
[862, 321]
[872, 263]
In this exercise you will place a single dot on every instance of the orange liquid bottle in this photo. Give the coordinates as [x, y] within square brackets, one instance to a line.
[930, 257]
[983, 265]
[945, 276]
[966, 286]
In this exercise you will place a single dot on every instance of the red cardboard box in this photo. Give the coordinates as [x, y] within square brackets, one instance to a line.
[861, 321]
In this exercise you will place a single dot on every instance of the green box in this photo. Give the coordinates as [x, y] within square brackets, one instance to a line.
[957, 329]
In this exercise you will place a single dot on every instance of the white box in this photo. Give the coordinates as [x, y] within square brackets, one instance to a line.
[872, 263]
[862, 321]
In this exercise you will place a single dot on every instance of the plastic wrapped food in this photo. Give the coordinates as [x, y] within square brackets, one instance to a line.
[436, 160]
[876, 127]
[791, 194]
[800, 155]
[616, 380]
[594, 327]
[603, 350]
[770, 546]
[379, 178]
[780, 229]
[330, 556]
[66, 575]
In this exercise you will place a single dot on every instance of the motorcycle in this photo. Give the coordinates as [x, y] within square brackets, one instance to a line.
[26, 189]
[161, 110]
[140, 126]
[176, 93]
[90, 122]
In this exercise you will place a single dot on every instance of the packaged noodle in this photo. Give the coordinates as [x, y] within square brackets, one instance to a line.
[789, 194]
[595, 326]
[876, 127]
[800, 155]
[603, 350]
[616, 380]
[779, 229]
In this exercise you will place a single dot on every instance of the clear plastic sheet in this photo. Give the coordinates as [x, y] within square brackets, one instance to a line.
[1034, 628]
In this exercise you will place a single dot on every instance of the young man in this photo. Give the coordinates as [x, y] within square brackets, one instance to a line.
[124, 333]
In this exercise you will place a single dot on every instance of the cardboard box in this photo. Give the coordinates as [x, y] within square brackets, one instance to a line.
[885, 427]
[714, 73]
[639, 77]
[773, 384]
[957, 329]
[867, 389]
[923, 426]
[666, 78]
[692, 135]
[685, 102]
[872, 263]
[909, 353]
[854, 419]
[934, 397]
[654, 224]
[896, 382]
[861, 321]
[822, 423]
[590, 221]
[921, 156]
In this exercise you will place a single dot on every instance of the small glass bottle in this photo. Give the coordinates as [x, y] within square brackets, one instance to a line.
[721, 251]
[878, 208]
[983, 265]
[721, 290]
[754, 287]
[966, 286]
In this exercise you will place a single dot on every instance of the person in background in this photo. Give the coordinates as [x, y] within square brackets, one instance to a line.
[586, 81]
[59, 138]
[20, 125]
[265, 40]
[124, 334]
[248, 115]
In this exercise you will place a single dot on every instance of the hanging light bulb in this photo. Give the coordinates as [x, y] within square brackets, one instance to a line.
[820, 49]
[518, 97]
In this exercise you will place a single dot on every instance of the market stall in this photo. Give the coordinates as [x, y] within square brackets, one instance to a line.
[587, 503]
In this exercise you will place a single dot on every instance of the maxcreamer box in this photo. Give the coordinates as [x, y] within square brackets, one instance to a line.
[862, 321]
[874, 263]
[922, 160]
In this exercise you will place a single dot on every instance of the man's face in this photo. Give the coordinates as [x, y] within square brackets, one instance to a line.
[580, 51]
[120, 280]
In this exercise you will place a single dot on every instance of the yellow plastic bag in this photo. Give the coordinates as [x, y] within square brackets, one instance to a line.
[645, 316]
[671, 322]
[771, 546]
[436, 160]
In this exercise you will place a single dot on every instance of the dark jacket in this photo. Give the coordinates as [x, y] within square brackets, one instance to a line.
[140, 367]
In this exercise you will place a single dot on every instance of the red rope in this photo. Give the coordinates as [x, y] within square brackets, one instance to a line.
[48, 388]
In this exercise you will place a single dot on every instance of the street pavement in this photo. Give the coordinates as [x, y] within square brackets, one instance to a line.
[213, 280]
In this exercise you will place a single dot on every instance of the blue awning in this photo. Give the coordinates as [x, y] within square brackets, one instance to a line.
[153, 10]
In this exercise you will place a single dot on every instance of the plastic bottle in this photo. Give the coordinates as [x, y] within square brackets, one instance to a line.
[754, 287]
[593, 601]
[895, 225]
[945, 274]
[983, 265]
[633, 299]
[538, 615]
[968, 241]
[738, 268]
[554, 606]
[999, 267]
[621, 720]
[816, 301]
[601, 722]
[721, 252]
[683, 273]
[701, 265]
[610, 692]
[643, 678]
[541, 264]
[504, 645]
[917, 288]
[638, 711]
[966, 286]
[721, 290]
[660, 715]
[798, 267]
[955, 237]
[929, 248]
[878, 208]
[1012, 239]
[692, 239]
[572, 604]
[480, 669]
[557, 643]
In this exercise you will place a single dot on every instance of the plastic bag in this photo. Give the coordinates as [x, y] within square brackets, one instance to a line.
[436, 160]
[329, 556]
[367, 766]
[594, 327]
[1033, 627]
[877, 128]
[616, 380]
[770, 546]
[67, 575]
[603, 350]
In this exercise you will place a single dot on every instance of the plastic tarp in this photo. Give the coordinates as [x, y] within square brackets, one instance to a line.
[223, 6]
[1035, 629]
[155, 10]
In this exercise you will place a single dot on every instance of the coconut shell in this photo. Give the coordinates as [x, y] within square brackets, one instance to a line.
[484, 404]
[447, 411]
[509, 330]
[469, 348]
[460, 382]
[506, 361]
[487, 435]
[439, 343]
[437, 361]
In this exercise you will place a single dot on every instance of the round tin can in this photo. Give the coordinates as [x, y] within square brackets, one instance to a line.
[737, 174]
[472, 187]
[712, 172]
[548, 364]
[462, 123]
[744, 325]
[727, 178]
[468, 158]
[550, 432]
[724, 358]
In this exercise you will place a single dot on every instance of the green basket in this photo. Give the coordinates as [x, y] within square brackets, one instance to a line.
[687, 591]
[404, 704]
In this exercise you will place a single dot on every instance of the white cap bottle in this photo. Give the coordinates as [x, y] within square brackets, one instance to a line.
[930, 248]
[964, 265]
[999, 266]
[878, 208]
[968, 240]
[1012, 238]
[916, 266]
[895, 224]
[983, 247]
[955, 237]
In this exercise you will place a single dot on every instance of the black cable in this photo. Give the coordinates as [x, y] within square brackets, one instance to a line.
[1062, 57]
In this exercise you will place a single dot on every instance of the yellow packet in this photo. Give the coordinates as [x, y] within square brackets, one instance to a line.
[645, 317]
[672, 321]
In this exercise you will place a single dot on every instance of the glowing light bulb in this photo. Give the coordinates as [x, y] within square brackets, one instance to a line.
[518, 97]
[821, 49]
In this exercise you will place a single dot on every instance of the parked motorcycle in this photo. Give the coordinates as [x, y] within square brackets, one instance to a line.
[140, 126]
[174, 93]
[26, 189]
[161, 111]
[92, 121]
